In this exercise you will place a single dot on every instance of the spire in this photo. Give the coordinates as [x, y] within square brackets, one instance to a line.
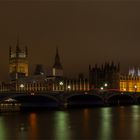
[10, 50]
[119, 66]
[57, 63]
[17, 46]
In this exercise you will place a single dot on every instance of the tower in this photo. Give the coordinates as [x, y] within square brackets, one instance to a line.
[18, 63]
[39, 70]
[107, 73]
[57, 67]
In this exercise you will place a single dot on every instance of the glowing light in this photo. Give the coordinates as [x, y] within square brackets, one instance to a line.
[124, 89]
[106, 85]
[61, 83]
[21, 86]
[69, 87]
[101, 88]
[32, 93]
[135, 86]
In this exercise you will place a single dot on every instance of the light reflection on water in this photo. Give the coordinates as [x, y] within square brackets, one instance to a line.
[2, 128]
[136, 121]
[106, 123]
[33, 126]
[62, 126]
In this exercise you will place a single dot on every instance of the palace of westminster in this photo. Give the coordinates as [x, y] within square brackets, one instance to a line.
[104, 77]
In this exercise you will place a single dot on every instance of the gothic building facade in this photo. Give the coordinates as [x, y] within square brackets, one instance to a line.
[104, 76]
[20, 80]
[130, 82]
[18, 62]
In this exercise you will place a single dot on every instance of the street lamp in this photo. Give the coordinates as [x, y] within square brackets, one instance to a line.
[61, 83]
[101, 88]
[69, 87]
[124, 89]
[105, 84]
[21, 86]
[135, 86]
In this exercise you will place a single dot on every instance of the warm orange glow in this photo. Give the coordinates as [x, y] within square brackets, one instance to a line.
[33, 125]
[130, 84]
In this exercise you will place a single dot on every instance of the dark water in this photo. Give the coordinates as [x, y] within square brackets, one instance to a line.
[106, 123]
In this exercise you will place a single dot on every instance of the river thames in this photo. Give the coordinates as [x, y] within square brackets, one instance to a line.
[103, 123]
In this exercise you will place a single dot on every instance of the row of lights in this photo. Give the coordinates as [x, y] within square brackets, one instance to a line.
[60, 83]
[105, 85]
[69, 87]
[135, 87]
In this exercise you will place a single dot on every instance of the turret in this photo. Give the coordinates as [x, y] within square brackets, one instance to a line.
[18, 63]
[57, 67]
[10, 51]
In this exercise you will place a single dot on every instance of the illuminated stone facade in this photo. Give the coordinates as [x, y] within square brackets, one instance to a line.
[130, 83]
[39, 82]
[50, 84]
[18, 63]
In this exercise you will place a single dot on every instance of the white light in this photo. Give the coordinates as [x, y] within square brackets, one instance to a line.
[61, 83]
[69, 86]
[106, 85]
[21, 86]
[32, 93]
[135, 86]
[101, 88]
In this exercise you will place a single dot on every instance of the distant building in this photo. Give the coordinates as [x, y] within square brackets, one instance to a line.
[57, 69]
[134, 71]
[104, 76]
[130, 82]
[18, 62]
[39, 81]
[36, 84]
[39, 70]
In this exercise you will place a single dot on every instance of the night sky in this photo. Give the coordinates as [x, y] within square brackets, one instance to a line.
[86, 32]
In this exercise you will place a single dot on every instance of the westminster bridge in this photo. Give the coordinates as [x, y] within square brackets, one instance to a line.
[63, 99]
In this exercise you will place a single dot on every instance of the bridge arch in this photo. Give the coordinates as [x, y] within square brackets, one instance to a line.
[83, 100]
[138, 99]
[120, 99]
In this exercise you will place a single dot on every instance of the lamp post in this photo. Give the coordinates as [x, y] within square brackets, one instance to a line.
[135, 87]
[61, 84]
[21, 86]
[69, 87]
[106, 85]
[101, 88]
